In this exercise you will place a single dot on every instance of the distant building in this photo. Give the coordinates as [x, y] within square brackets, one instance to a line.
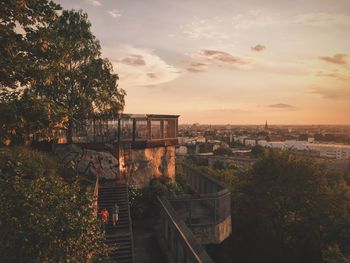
[250, 142]
[182, 150]
[331, 151]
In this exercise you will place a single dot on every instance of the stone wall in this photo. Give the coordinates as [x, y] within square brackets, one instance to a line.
[142, 165]
[137, 166]
[87, 162]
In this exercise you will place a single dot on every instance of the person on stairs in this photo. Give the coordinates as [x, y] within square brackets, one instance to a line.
[115, 215]
[104, 217]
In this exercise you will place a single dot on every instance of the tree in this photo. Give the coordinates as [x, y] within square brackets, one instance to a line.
[24, 117]
[218, 165]
[70, 73]
[17, 18]
[258, 151]
[43, 218]
[222, 151]
[291, 210]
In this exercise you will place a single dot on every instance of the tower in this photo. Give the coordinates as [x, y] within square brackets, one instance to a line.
[266, 126]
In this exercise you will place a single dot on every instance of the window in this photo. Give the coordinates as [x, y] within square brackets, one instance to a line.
[156, 129]
[126, 126]
[169, 128]
[141, 130]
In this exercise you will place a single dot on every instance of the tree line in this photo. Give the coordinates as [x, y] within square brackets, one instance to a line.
[287, 208]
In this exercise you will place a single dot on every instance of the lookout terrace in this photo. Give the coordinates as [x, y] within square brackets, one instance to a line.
[133, 149]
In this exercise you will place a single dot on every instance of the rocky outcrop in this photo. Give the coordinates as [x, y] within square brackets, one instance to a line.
[137, 166]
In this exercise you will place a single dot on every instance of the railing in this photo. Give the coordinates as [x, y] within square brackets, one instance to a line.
[96, 196]
[125, 128]
[178, 239]
[130, 226]
[211, 194]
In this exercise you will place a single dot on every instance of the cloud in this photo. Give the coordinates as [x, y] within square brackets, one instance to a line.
[200, 28]
[258, 19]
[152, 75]
[94, 2]
[339, 93]
[322, 19]
[217, 55]
[114, 13]
[339, 59]
[197, 67]
[255, 19]
[133, 60]
[258, 48]
[202, 60]
[333, 75]
[282, 106]
[140, 67]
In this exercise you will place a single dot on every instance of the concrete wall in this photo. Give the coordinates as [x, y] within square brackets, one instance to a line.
[214, 233]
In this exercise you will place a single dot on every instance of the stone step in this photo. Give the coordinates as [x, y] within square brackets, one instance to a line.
[107, 198]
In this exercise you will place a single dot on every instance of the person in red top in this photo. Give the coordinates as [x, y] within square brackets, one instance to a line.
[104, 216]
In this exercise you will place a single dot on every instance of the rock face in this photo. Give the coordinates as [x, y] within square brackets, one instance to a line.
[142, 165]
[137, 166]
[88, 162]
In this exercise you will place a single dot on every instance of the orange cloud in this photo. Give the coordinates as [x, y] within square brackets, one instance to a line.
[221, 56]
[339, 59]
[197, 67]
[282, 106]
[258, 48]
[133, 60]
[332, 75]
[333, 93]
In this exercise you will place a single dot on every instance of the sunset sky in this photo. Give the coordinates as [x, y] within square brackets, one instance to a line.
[226, 61]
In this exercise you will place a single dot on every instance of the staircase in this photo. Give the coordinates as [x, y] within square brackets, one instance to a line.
[119, 238]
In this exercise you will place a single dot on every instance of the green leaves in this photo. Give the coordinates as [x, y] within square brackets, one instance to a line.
[44, 219]
[75, 79]
[53, 62]
[299, 211]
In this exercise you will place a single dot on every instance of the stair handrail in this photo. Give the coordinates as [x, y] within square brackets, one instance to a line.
[130, 224]
[95, 196]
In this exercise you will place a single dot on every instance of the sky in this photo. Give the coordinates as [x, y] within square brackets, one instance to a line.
[227, 61]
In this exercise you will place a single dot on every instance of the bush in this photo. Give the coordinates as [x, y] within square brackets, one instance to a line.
[43, 218]
[143, 202]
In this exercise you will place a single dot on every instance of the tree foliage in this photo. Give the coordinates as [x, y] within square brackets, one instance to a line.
[55, 62]
[258, 151]
[70, 73]
[17, 19]
[291, 210]
[222, 151]
[44, 219]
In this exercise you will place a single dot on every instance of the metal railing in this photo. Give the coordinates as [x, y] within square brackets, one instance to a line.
[179, 240]
[125, 128]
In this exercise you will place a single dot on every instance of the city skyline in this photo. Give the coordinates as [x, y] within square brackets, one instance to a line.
[229, 63]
